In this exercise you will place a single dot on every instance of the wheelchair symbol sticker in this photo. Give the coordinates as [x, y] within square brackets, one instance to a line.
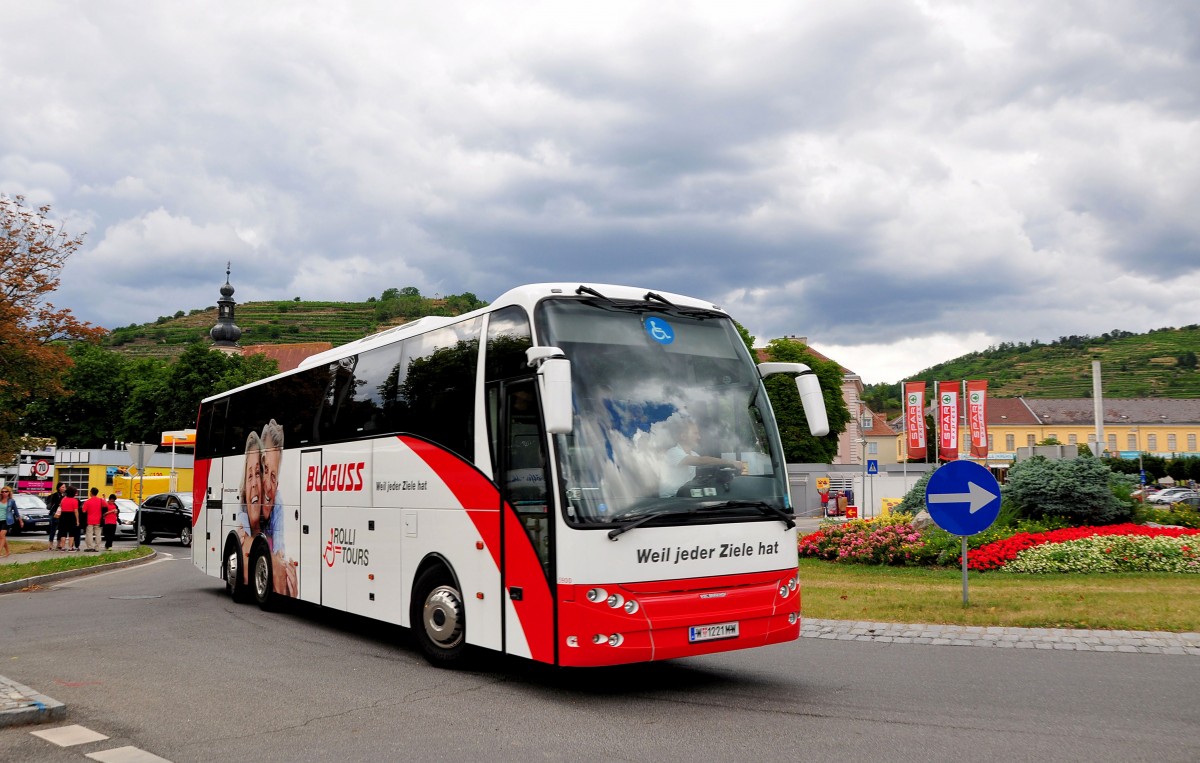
[659, 330]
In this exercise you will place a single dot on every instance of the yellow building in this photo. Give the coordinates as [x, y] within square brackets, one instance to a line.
[103, 469]
[1164, 427]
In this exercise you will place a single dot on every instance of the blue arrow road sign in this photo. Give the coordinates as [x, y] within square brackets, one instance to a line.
[963, 498]
[872, 466]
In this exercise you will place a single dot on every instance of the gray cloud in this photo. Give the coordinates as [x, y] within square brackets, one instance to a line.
[868, 174]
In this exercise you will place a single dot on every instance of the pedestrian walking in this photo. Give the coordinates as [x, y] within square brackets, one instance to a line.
[93, 509]
[52, 504]
[110, 521]
[68, 521]
[11, 518]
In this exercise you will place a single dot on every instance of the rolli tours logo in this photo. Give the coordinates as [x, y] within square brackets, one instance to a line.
[341, 546]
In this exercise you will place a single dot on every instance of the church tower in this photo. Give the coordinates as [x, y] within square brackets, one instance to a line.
[226, 333]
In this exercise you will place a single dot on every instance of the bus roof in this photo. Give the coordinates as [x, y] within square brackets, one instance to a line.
[526, 296]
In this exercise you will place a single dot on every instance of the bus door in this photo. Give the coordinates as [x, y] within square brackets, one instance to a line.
[519, 450]
[207, 536]
[311, 534]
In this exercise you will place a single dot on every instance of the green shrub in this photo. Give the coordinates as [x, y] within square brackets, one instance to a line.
[1079, 490]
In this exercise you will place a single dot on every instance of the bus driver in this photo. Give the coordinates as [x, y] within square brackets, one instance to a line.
[681, 459]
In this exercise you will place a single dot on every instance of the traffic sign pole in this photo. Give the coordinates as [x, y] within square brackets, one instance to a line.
[964, 568]
[140, 453]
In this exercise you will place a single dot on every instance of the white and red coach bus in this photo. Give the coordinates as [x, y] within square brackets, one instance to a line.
[579, 475]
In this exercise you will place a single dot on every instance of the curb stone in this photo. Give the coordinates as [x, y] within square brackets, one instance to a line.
[1068, 639]
[20, 705]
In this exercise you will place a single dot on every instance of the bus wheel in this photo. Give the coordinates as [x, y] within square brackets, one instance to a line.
[439, 617]
[235, 584]
[260, 571]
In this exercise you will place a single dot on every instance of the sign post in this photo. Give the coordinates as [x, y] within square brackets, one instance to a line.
[963, 498]
[140, 453]
[869, 503]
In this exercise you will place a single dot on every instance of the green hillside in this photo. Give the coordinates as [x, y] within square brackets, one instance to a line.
[1161, 363]
[288, 322]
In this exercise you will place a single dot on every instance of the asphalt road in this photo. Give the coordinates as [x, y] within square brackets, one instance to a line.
[157, 657]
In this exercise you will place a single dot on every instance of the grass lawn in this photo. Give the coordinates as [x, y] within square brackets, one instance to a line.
[21, 570]
[1141, 601]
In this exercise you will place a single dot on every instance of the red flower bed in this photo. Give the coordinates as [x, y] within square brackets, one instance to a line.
[1001, 552]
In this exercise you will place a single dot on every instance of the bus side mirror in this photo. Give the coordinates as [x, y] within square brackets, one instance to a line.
[810, 393]
[554, 383]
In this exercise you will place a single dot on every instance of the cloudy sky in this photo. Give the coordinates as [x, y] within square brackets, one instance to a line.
[899, 181]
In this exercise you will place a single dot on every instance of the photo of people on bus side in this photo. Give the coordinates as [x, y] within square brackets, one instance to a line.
[262, 511]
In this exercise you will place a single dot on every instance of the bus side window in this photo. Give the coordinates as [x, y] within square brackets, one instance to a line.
[524, 462]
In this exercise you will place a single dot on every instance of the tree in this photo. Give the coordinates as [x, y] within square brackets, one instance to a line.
[34, 251]
[799, 446]
[98, 384]
[169, 397]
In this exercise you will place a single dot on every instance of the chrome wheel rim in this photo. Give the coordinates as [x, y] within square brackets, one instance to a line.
[443, 617]
[262, 576]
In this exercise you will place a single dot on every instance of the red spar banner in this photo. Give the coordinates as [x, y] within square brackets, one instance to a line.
[977, 417]
[914, 418]
[947, 413]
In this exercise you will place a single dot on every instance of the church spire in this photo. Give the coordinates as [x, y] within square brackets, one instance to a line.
[226, 333]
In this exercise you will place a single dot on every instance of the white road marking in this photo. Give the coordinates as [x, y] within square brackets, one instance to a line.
[68, 736]
[126, 755]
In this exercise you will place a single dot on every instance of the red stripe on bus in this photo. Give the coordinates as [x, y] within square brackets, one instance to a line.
[200, 471]
[479, 496]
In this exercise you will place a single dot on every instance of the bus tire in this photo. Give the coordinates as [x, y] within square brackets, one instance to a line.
[439, 617]
[235, 583]
[261, 582]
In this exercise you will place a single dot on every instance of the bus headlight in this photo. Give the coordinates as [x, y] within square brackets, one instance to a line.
[599, 638]
[631, 606]
[616, 639]
[616, 600]
[596, 594]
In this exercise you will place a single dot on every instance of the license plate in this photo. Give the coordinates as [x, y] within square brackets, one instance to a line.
[712, 632]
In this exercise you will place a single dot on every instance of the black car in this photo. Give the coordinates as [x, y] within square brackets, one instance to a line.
[166, 514]
[33, 510]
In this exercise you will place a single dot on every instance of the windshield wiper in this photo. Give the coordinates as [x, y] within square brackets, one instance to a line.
[760, 506]
[765, 508]
[617, 531]
[589, 290]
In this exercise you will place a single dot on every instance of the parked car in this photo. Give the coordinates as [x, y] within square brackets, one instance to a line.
[166, 514]
[33, 510]
[126, 516]
[1170, 495]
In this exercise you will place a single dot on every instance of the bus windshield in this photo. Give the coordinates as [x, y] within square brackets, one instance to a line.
[670, 423]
